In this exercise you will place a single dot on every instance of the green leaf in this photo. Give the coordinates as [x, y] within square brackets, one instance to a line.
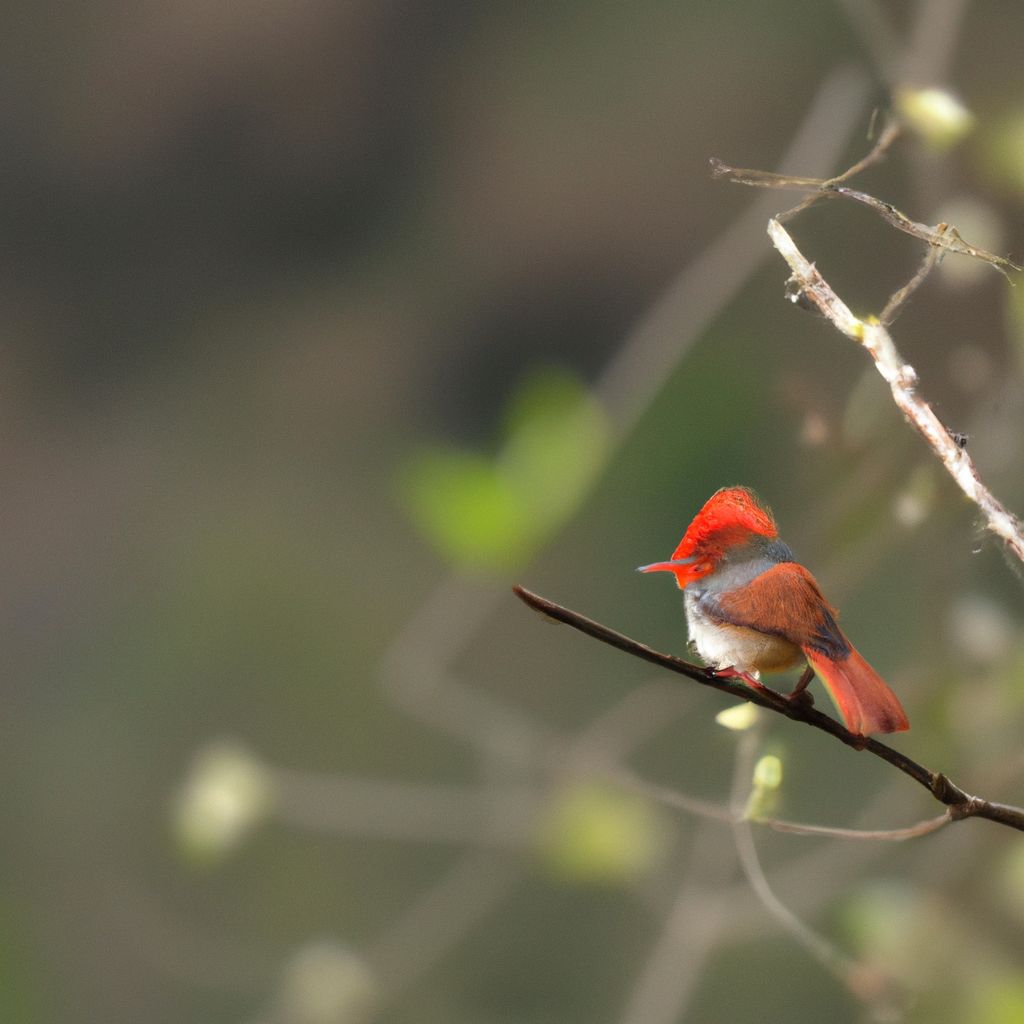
[557, 443]
[467, 508]
[493, 514]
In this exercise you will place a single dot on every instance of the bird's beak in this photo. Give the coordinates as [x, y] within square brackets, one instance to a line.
[670, 566]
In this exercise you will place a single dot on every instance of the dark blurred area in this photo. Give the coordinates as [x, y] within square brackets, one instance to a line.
[323, 324]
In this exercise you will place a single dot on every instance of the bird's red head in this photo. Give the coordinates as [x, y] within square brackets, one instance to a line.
[728, 518]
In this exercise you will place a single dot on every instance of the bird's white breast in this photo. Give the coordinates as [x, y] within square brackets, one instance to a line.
[726, 646]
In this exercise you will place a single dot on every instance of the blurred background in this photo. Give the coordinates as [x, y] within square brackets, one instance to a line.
[322, 324]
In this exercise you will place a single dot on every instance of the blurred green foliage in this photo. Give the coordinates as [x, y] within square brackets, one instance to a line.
[999, 1000]
[1005, 151]
[765, 786]
[936, 115]
[226, 794]
[492, 514]
[595, 834]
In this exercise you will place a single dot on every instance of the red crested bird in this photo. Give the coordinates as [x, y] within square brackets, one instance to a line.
[752, 608]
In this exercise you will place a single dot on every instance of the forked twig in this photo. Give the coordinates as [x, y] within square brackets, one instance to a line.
[808, 284]
[960, 803]
[891, 835]
[770, 179]
[671, 797]
[842, 967]
[942, 238]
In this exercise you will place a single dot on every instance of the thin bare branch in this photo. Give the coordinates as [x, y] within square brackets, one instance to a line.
[903, 381]
[892, 835]
[942, 237]
[834, 960]
[961, 804]
[764, 179]
[889, 134]
[670, 797]
[900, 297]
[769, 179]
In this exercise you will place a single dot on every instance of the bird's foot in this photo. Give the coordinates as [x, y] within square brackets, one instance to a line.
[804, 697]
[800, 694]
[731, 672]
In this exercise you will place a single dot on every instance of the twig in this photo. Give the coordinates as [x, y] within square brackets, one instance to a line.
[902, 380]
[842, 967]
[888, 135]
[943, 237]
[771, 179]
[899, 297]
[716, 812]
[960, 803]
[891, 835]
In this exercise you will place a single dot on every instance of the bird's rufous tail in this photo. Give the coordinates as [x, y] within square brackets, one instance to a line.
[861, 696]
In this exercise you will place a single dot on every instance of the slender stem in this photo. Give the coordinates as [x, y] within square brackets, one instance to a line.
[899, 298]
[825, 952]
[771, 179]
[889, 134]
[892, 835]
[671, 797]
[961, 804]
[903, 382]
[942, 237]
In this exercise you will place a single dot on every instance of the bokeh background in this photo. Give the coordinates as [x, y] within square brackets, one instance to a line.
[325, 322]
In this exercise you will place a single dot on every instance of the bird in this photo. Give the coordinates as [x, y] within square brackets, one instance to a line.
[752, 608]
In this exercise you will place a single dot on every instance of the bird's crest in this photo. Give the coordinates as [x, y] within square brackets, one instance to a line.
[726, 517]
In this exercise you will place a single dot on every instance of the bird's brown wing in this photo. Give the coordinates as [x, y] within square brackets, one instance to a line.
[787, 602]
[784, 601]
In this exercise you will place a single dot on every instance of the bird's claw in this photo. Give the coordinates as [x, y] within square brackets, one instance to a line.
[730, 672]
[804, 697]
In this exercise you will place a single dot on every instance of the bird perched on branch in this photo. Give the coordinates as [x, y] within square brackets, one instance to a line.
[752, 608]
